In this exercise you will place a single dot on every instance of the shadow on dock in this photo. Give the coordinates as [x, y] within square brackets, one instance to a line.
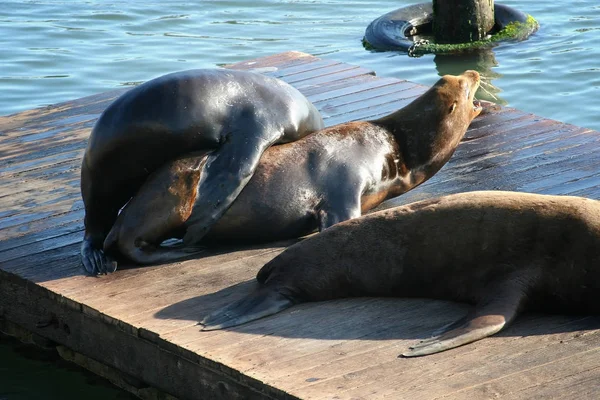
[407, 318]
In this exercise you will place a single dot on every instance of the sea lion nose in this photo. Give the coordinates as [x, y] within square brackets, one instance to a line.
[472, 74]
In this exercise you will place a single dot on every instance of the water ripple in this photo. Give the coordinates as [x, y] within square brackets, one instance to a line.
[61, 50]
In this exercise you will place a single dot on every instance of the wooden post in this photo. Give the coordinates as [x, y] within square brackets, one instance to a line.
[462, 21]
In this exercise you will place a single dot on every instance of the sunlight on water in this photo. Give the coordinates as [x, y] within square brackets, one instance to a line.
[59, 50]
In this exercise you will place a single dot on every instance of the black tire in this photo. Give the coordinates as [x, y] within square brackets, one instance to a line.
[392, 31]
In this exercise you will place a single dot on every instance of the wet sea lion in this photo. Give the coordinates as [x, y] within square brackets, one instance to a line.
[501, 251]
[236, 114]
[327, 177]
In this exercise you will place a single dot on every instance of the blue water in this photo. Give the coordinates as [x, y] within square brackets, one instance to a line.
[56, 50]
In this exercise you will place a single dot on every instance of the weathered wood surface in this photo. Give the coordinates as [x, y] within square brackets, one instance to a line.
[142, 321]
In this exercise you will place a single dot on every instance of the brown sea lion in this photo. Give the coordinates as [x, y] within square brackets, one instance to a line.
[235, 114]
[501, 251]
[327, 177]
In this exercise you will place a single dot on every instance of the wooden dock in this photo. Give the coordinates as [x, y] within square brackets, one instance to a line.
[138, 325]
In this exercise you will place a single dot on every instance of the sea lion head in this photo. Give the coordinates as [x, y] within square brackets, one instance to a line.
[429, 129]
[444, 113]
[453, 99]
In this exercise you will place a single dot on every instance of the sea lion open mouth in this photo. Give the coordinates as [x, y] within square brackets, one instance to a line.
[470, 80]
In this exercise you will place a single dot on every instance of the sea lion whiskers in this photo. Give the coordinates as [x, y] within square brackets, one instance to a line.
[482, 87]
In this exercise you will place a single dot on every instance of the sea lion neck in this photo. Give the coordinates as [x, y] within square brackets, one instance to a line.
[414, 135]
[429, 129]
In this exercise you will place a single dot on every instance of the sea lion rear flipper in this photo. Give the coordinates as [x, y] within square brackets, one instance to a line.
[260, 303]
[490, 315]
[158, 211]
[227, 172]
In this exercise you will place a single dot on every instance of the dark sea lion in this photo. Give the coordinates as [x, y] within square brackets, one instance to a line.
[236, 114]
[501, 251]
[327, 177]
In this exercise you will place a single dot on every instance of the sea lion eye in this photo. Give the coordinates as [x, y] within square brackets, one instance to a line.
[452, 107]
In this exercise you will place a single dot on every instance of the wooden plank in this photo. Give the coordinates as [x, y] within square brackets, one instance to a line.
[490, 169]
[128, 353]
[331, 90]
[162, 285]
[52, 129]
[356, 107]
[351, 73]
[32, 227]
[12, 184]
[370, 113]
[527, 355]
[11, 242]
[345, 349]
[10, 219]
[75, 140]
[325, 73]
[39, 192]
[579, 382]
[280, 60]
[12, 125]
[441, 374]
[54, 263]
[35, 247]
[335, 325]
[367, 91]
[302, 68]
[33, 164]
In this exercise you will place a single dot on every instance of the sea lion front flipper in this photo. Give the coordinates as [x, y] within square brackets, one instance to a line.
[227, 172]
[100, 213]
[474, 329]
[497, 309]
[262, 302]
[94, 261]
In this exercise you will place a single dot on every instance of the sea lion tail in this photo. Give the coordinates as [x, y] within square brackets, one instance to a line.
[262, 302]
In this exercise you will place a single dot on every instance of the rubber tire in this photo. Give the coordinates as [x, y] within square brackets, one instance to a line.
[388, 32]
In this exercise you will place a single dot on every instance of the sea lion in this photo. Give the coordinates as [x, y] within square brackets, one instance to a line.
[501, 251]
[236, 114]
[327, 177]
